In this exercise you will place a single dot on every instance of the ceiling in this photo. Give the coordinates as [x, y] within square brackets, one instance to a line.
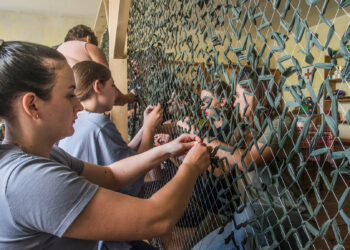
[76, 8]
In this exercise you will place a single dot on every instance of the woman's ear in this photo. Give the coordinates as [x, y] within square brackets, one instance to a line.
[98, 86]
[30, 105]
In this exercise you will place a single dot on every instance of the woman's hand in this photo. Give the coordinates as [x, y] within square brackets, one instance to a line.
[182, 144]
[153, 116]
[185, 125]
[198, 157]
[160, 139]
[131, 97]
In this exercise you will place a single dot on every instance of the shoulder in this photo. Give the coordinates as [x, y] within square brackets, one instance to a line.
[97, 123]
[21, 168]
[19, 157]
[87, 130]
[71, 43]
[96, 54]
[91, 46]
[283, 122]
[19, 164]
[42, 194]
[109, 129]
[62, 157]
[93, 119]
[94, 51]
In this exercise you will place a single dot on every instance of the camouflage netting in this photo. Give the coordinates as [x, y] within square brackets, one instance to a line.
[267, 83]
[104, 43]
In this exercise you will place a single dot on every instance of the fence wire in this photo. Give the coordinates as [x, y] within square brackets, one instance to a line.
[266, 83]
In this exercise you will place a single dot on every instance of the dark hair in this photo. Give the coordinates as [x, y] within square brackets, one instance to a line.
[81, 31]
[259, 88]
[26, 67]
[85, 73]
[220, 89]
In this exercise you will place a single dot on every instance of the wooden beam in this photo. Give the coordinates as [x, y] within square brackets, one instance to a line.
[106, 8]
[117, 26]
[100, 22]
[119, 114]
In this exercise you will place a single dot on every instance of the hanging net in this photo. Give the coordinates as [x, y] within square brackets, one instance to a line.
[266, 83]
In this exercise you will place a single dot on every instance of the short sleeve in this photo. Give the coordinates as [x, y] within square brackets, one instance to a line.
[46, 196]
[269, 136]
[110, 148]
[59, 155]
[236, 137]
[110, 145]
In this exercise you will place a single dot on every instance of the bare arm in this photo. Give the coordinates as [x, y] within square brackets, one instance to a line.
[236, 156]
[136, 141]
[168, 128]
[122, 99]
[152, 118]
[125, 171]
[128, 170]
[171, 128]
[143, 140]
[96, 54]
[114, 216]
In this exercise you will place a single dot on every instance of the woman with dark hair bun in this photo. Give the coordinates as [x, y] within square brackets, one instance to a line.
[51, 200]
[96, 139]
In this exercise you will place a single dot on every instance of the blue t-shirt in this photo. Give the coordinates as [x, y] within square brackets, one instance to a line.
[97, 140]
[40, 198]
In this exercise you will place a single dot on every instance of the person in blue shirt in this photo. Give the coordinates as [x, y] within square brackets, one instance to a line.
[96, 139]
[51, 200]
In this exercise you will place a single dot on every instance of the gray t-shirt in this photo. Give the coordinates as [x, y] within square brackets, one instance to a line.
[272, 181]
[40, 198]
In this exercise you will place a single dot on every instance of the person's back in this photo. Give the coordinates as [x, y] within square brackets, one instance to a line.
[74, 51]
[80, 44]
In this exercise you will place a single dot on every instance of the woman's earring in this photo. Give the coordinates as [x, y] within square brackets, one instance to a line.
[37, 116]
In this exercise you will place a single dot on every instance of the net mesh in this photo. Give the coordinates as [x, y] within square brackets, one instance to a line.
[266, 84]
